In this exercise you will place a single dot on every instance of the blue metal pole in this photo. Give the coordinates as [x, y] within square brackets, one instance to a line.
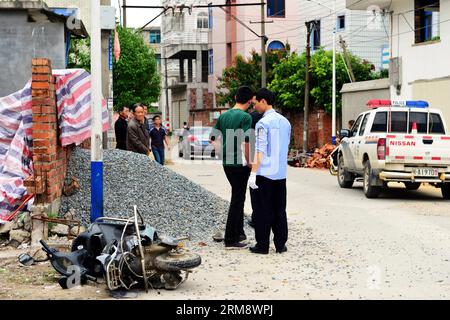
[96, 190]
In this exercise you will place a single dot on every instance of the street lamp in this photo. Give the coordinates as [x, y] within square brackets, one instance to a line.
[333, 121]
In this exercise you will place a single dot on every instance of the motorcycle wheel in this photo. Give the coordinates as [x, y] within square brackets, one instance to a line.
[174, 261]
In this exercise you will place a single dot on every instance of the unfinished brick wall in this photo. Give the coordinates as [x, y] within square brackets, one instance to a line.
[319, 129]
[49, 157]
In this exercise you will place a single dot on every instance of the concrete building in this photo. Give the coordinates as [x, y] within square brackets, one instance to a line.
[79, 8]
[28, 29]
[364, 31]
[184, 38]
[420, 43]
[152, 37]
[229, 37]
[355, 96]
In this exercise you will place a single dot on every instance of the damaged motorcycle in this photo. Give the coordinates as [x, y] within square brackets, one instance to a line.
[127, 253]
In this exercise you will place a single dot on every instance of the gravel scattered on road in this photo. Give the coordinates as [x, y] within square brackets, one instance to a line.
[171, 203]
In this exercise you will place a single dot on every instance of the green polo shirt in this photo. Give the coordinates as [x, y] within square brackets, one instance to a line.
[234, 125]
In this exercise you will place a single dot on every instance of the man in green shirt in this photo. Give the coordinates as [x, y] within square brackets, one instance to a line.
[233, 126]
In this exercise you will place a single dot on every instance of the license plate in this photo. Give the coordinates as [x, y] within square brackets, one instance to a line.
[425, 172]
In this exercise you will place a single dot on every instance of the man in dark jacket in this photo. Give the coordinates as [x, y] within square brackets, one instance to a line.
[120, 128]
[138, 139]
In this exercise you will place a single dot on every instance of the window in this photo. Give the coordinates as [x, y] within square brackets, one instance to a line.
[426, 20]
[420, 118]
[315, 35]
[275, 46]
[380, 122]
[340, 23]
[399, 121]
[178, 22]
[211, 61]
[202, 21]
[155, 36]
[364, 123]
[276, 8]
[436, 125]
[356, 126]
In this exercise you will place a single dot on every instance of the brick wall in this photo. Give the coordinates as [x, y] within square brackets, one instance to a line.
[49, 158]
[319, 129]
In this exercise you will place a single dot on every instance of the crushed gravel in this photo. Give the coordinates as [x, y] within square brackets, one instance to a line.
[171, 203]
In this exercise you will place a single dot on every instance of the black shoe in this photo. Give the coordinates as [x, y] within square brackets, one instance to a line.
[255, 249]
[242, 237]
[236, 245]
[284, 249]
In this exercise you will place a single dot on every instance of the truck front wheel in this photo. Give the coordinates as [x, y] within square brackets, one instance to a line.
[445, 189]
[370, 191]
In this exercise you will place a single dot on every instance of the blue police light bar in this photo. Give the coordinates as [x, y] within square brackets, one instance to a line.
[411, 103]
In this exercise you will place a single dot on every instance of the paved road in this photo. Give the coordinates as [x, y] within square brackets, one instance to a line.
[341, 245]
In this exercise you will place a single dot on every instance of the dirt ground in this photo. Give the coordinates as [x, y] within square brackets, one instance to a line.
[341, 246]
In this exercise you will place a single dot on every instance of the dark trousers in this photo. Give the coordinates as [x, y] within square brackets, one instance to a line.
[158, 153]
[238, 179]
[269, 208]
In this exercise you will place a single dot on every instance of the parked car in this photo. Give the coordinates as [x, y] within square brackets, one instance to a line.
[196, 142]
[402, 141]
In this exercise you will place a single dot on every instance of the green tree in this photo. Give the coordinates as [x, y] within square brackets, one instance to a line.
[289, 79]
[322, 75]
[80, 55]
[288, 82]
[245, 71]
[135, 75]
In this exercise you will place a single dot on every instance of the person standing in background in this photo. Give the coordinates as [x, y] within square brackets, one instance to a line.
[120, 128]
[137, 134]
[159, 136]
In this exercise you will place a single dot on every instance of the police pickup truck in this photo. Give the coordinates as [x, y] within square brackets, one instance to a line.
[396, 141]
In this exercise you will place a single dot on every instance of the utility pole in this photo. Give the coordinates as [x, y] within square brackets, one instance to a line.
[307, 85]
[263, 46]
[124, 13]
[96, 115]
[347, 59]
[166, 84]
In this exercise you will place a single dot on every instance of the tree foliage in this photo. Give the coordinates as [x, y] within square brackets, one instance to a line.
[286, 77]
[245, 71]
[135, 75]
[322, 74]
[80, 55]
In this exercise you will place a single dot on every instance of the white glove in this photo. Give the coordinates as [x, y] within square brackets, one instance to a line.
[252, 181]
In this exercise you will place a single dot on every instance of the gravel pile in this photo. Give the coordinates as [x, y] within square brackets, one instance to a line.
[169, 202]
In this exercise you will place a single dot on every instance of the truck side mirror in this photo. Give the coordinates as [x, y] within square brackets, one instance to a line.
[344, 133]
